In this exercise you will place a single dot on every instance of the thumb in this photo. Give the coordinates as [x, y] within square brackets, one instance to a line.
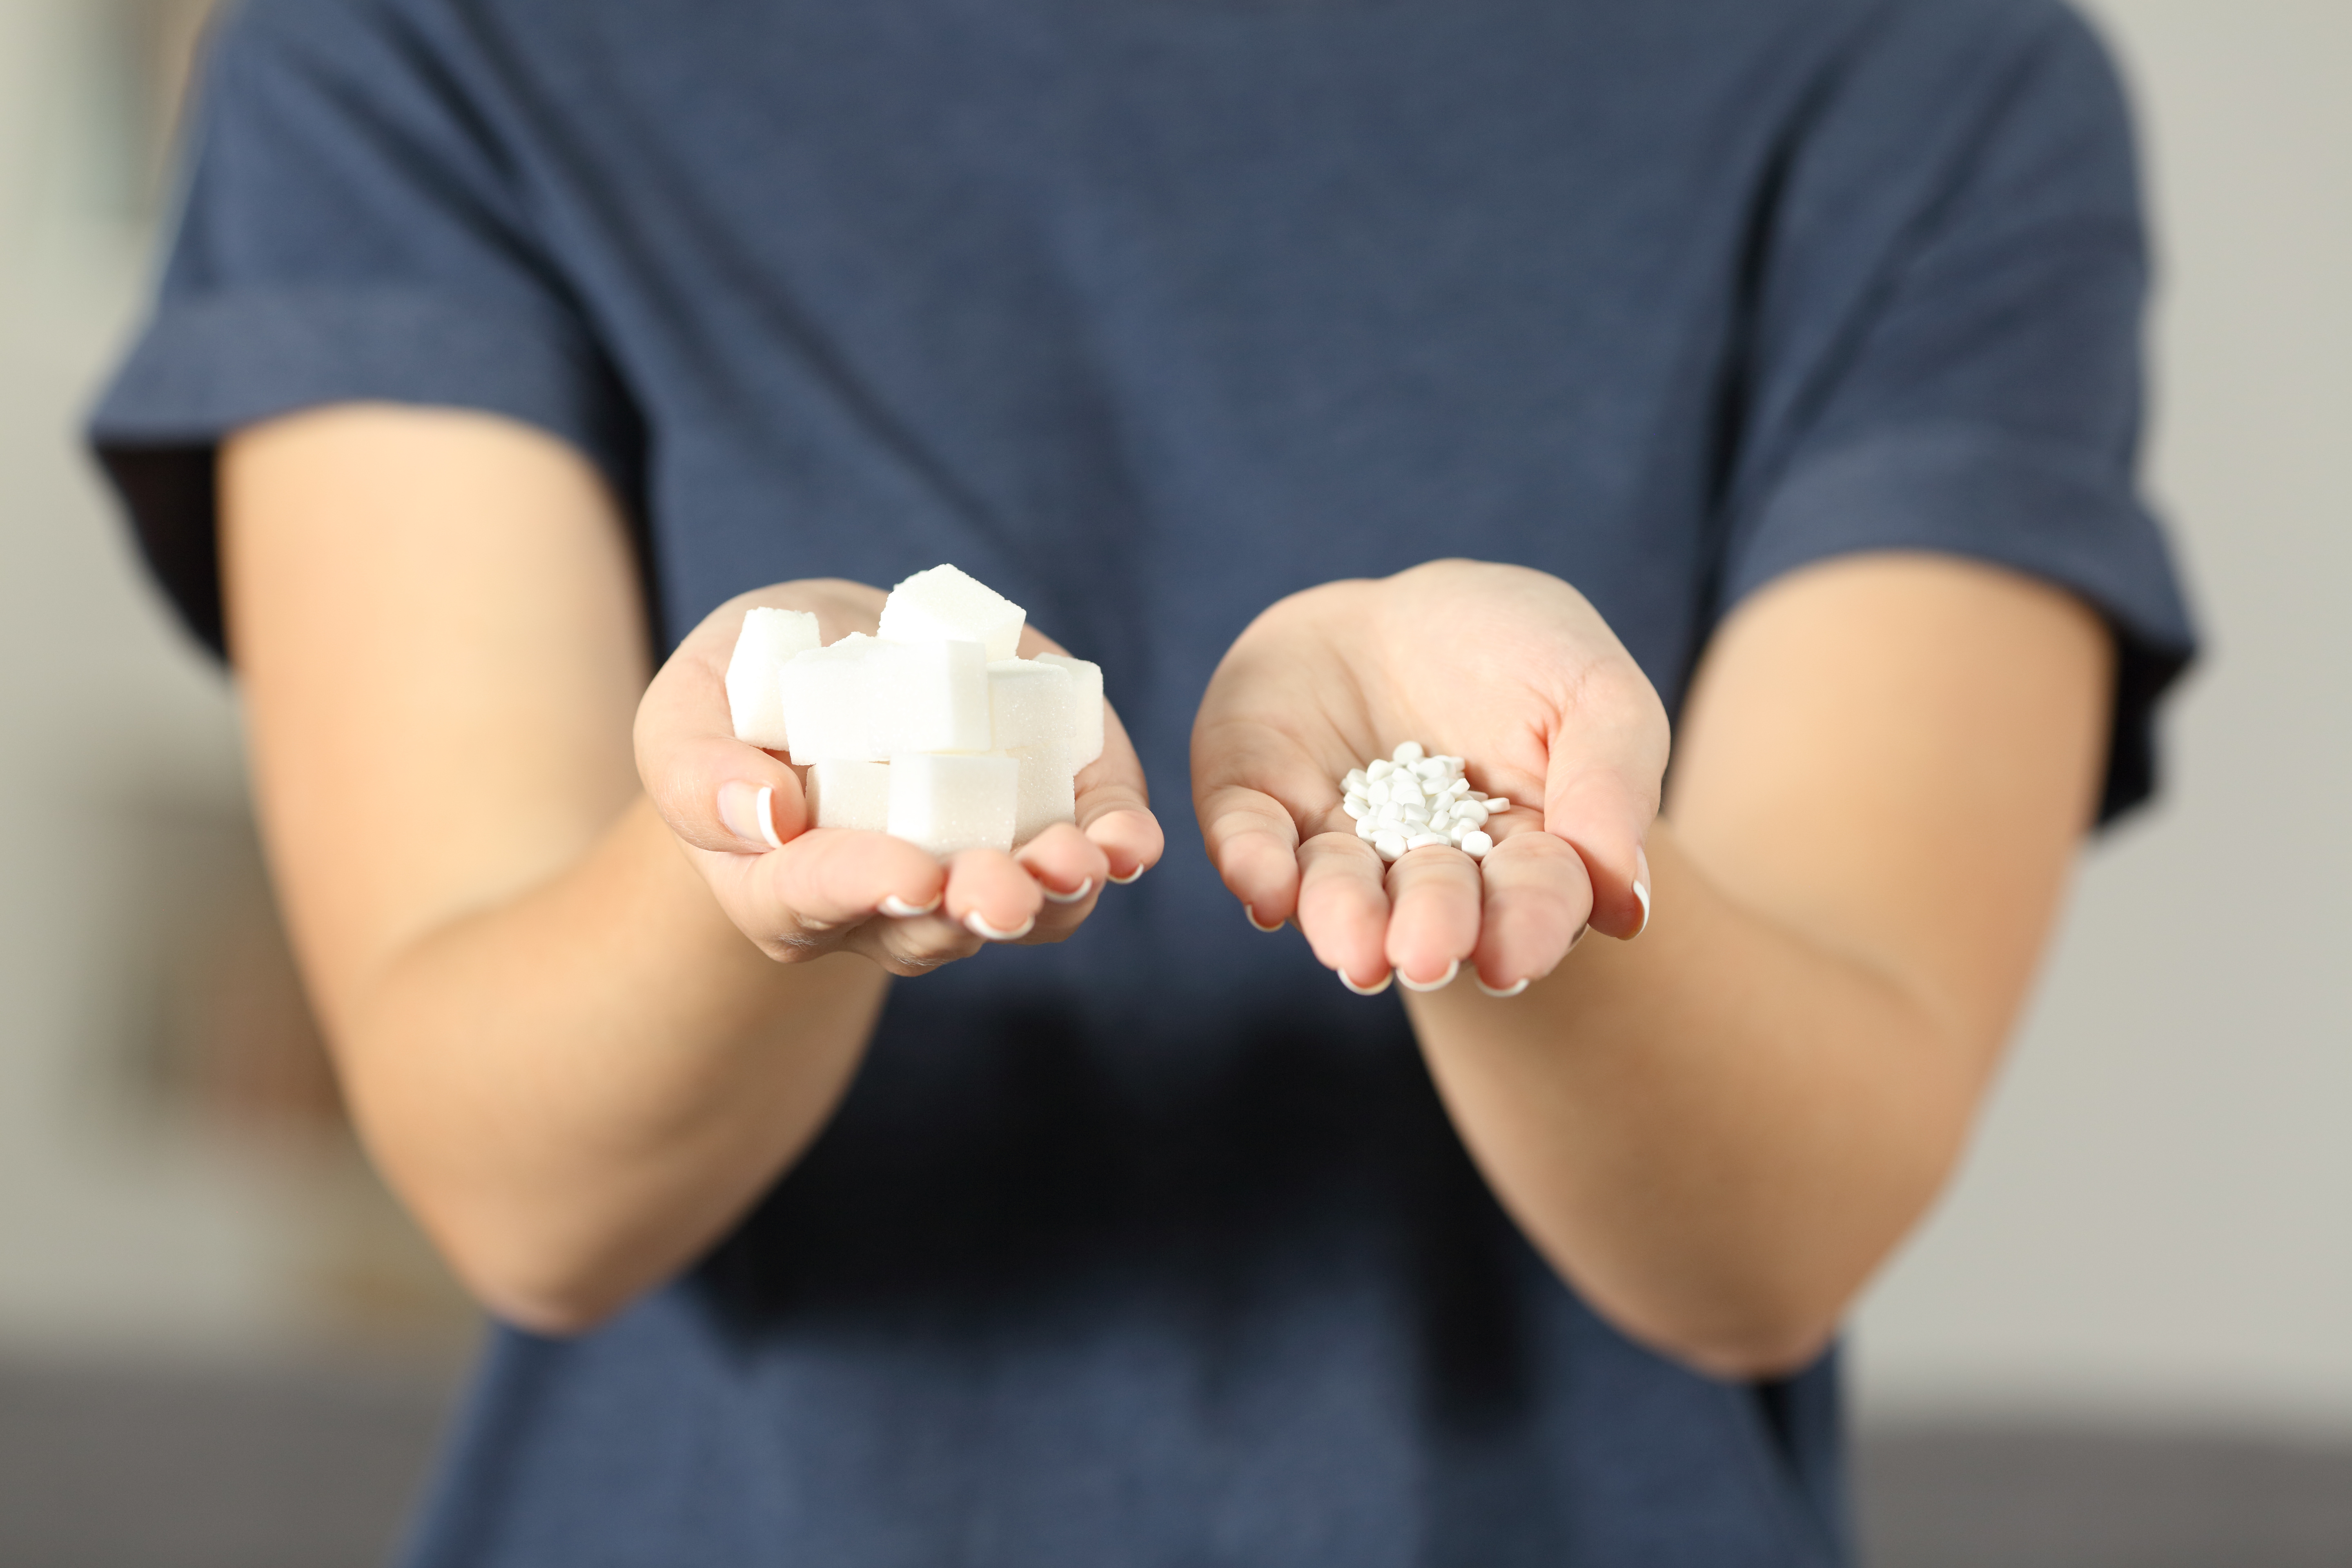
[1603, 804]
[1252, 841]
[716, 793]
[714, 790]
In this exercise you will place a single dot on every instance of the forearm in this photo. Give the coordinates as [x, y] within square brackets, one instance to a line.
[579, 1088]
[1716, 1131]
[580, 1034]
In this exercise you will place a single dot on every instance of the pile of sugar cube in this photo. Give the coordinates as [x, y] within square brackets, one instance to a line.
[933, 732]
[1411, 800]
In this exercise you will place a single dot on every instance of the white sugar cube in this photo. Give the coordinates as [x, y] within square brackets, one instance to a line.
[946, 804]
[1047, 792]
[863, 699]
[830, 698]
[769, 638]
[934, 696]
[946, 604]
[1030, 705]
[1087, 705]
[850, 795]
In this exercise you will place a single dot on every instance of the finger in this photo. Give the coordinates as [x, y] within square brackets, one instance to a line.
[1600, 794]
[831, 877]
[1343, 908]
[915, 945]
[724, 796]
[1536, 897]
[1115, 805]
[1128, 837]
[1434, 914]
[715, 792]
[1113, 810]
[1254, 844]
[1258, 793]
[1034, 642]
[990, 894]
[1069, 870]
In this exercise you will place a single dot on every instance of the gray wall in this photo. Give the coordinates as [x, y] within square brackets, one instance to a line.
[2157, 1218]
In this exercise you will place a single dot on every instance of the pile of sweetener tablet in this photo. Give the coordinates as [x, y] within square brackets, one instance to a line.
[932, 732]
[1411, 800]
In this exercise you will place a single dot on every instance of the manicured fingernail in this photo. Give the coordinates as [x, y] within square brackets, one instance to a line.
[748, 811]
[899, 908]
[1440, 983]
[1642, 890]
[1367, 990]
[982, 929]
[1250, 910]
[1131, 877]
[1506, 993]
[1072, 897]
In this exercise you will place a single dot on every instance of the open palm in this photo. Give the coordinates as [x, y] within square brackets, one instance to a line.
[799, 891]
[1508, 668]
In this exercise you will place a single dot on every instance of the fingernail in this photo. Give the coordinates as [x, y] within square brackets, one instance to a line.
[1506, 993]
[1250, 910]
[1131, 877]
[1581, 932]
[1072, 897]
[900, 909]
[749, 812]
[982, 929]
[1367, 990]
[1642, 888]
[1440, 983]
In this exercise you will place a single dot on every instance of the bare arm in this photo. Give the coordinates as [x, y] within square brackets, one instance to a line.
[1718, 1130]
[555, 1036]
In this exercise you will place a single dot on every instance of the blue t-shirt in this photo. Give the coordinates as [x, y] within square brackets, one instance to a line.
[1157, 1247]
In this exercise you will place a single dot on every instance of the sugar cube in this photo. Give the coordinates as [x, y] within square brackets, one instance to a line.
[864, 699]
[1029, 704]
[1086, 705]
[946, 803]
[769, 638]
[946, 604]
[1047, 792]
[934, 696]
[933, 731]
[829, 698]
[843, 793]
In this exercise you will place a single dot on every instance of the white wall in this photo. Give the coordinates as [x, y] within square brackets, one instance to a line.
[121, 781]
[2158, 1214]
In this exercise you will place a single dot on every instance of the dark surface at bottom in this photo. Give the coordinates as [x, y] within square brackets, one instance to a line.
[313, 1469]
[251, 1468]
[2085, 1497]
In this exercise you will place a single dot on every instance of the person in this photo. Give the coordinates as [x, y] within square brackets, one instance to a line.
[1517, 377]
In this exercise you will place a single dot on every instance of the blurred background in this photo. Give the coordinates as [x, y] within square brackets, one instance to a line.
[2125, 1338]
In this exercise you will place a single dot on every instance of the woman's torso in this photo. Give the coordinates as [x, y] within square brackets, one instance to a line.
[1157, 1247]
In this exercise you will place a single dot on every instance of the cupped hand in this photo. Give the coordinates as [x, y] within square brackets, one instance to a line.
[1509, 669]
[802, 892]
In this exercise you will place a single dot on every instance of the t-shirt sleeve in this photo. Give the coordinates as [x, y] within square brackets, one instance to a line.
[1949, 297]
[352, 228]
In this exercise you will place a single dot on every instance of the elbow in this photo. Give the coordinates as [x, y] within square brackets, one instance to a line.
[549, 1313]
[1750, 1335]
[554, 1291]
[1757, 1353]
[557, 1265]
